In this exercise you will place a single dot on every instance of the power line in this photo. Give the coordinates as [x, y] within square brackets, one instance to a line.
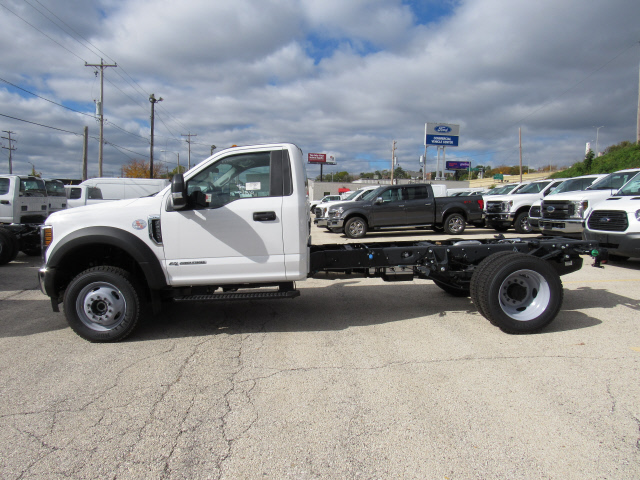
[46, 99]
[39, 124]
[37, 29]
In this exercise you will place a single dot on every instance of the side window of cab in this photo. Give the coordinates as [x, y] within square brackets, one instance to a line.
[243, 176]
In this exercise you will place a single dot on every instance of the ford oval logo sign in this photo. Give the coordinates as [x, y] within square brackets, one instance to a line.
[442, 129]
[551, 209]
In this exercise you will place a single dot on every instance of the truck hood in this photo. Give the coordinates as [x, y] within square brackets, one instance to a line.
[91, 214]
[629, 204]
[581, 195]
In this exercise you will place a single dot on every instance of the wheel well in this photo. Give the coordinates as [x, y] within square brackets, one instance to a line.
[355, 214]
[93, 255]
[454, 210]
[523, 209]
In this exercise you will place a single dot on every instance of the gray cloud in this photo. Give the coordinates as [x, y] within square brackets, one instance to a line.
[341, 77]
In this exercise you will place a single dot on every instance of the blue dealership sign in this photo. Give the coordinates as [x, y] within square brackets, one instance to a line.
[442, 134]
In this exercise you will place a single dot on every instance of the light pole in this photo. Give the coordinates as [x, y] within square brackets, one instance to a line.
[152, 99]
[597, 131]
[175, 153]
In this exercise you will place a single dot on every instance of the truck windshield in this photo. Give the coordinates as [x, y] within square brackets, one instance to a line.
[372, 193]
[536, 187]
[632, 187]
[55, 189]
[573, 185]
[613, 181]
[32, 187]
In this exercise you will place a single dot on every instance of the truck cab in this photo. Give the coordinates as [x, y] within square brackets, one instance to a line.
[23, 199]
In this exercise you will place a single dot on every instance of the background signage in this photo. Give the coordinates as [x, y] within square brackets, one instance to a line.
[321, 158]
[458, 165]
[442, 134]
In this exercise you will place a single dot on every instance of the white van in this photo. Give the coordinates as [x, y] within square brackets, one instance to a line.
[97, 190]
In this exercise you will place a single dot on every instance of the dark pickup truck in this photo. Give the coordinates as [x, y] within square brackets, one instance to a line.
[399, 206]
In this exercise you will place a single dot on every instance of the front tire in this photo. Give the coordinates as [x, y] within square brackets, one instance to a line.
[519, 293]
[454, 224]
[102, 304]
[521, 224]
[356, 227]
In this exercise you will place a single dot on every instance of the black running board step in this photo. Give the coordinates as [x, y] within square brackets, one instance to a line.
[239, 296]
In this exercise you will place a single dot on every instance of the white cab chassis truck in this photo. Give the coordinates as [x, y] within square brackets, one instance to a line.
[237, 227]
[24, 205]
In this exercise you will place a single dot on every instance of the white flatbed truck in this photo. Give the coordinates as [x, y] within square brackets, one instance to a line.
[237, 227]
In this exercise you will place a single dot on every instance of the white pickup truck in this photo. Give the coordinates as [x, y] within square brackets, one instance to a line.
[564, 214]
[505, 211]
[615, 222]
[237, 227]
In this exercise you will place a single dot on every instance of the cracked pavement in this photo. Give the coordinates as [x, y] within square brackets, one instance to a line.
[354, 379]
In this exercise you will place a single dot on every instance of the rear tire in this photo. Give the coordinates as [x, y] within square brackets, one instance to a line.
[478, 275]
[9, 246]
[519, 293]
[7, 249]
[102, 304]
[454, 224]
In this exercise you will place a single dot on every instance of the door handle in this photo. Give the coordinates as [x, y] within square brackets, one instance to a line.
[264, 216]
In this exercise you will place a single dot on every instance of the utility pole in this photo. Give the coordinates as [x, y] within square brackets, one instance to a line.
[10, 148]
[393, 158]
[152, 99]
[520, 141]
[100, 108]
[189, 135]
[85, 148]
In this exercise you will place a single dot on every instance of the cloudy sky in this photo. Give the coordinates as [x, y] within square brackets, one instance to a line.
[343, 77]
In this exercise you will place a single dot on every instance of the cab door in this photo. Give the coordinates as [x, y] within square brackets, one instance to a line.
[389, 211]
[419, 207]
[232, 229]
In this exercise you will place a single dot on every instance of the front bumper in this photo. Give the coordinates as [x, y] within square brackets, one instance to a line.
[335, 223]
[625, 244]
[493, 219]
[573, 228]
[46, 278]
[320, 221]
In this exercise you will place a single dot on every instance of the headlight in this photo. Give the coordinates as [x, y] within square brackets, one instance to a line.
[638, 215]
[336, 212]
[579, 207]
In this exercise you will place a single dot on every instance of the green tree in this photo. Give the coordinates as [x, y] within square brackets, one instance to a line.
[588, 161]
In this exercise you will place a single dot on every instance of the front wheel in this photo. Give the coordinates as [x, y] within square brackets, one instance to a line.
[356, 227]
[519, 293]
[454, 224]
[521, 224]
[102, 304]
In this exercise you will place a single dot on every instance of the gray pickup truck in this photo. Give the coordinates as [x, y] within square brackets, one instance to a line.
[399, 206]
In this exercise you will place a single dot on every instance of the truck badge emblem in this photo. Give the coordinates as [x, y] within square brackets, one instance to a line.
[139, 224]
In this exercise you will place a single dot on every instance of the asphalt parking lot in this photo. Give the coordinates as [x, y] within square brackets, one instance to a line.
[356, 378]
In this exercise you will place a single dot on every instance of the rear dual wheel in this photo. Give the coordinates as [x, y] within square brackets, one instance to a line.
[9, 246]
[519, 293]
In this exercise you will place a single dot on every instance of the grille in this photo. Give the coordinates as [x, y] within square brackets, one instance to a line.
[494, 207]
[557, 210]
[608, 220]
